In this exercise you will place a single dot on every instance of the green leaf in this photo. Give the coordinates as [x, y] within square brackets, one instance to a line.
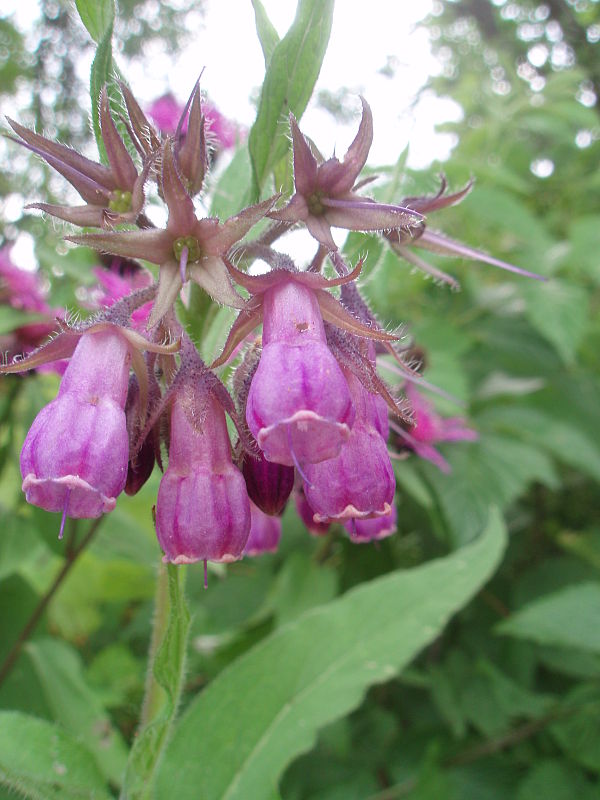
[292, 73]
[493, 471]
[40, 761]
[163, 692]
[559, 311]
[98, 16]
[568, 618]
[102, 73]
[578, 734]
[233, 186]
[268, 36]
[554, 780]
[73, 703]
[237, 737]
[561, 437]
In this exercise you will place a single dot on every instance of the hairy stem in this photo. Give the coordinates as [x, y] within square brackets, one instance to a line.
[154, 693]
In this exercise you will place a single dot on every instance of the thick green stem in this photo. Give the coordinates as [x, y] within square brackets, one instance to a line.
[166, 673]
[154, 694]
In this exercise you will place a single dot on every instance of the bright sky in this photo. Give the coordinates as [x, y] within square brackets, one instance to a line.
[366, 38]
[362, 43]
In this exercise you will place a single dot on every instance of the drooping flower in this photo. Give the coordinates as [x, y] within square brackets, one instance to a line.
[75, 455]
[359, 482]
[112, 194]
[265, 533]
[306, 514]
[363, 531]
[299, 408]
[326, 191]
[202, 509]
[430, 428]
[189, 248]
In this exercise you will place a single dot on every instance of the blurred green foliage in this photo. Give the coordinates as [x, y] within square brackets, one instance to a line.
[504, 701]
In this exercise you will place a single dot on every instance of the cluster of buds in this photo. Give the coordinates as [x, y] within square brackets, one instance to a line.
[311, 412]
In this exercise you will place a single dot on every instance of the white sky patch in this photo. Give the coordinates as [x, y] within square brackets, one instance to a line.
[362, 43]
[364, 39]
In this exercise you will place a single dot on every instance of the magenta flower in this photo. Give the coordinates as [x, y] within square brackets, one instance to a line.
[74, 458]
[112, 194]
[363, 531]
[166, 112]
[19, 288]
[202, 509]
[360, 481]
[298, 408]
[306, 514]
[223, 133]
[430, 428]
[114, 286]
[22, 290]
[326, 191]
[265, 533]
[75, 455]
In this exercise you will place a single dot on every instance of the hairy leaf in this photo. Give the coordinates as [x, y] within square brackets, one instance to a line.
[41, 761]
[292, 73]
[240, 733]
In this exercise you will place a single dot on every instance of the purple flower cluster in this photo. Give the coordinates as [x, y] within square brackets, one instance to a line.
[311, 412]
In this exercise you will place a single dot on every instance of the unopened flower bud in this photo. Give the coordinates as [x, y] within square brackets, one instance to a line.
[269, 484]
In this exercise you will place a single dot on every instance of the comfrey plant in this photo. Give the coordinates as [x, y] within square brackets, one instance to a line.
[311, 411]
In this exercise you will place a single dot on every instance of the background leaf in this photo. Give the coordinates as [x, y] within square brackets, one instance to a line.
[240, 733]
[291, 75]
[568, 618]
[267, 35]
[41, 761]
[97, 15]
[59, 670]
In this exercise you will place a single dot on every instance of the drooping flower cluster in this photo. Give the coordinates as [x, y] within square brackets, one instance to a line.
[312, 413]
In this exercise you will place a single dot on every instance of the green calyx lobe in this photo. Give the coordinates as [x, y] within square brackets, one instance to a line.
[120, 201]
[193, 248]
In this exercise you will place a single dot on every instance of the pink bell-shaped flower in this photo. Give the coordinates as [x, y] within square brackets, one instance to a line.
[202, 509]
[360, 481]
[306, 514]
[74, 458]
[299, 407]
[265, 533]
[363, 531]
